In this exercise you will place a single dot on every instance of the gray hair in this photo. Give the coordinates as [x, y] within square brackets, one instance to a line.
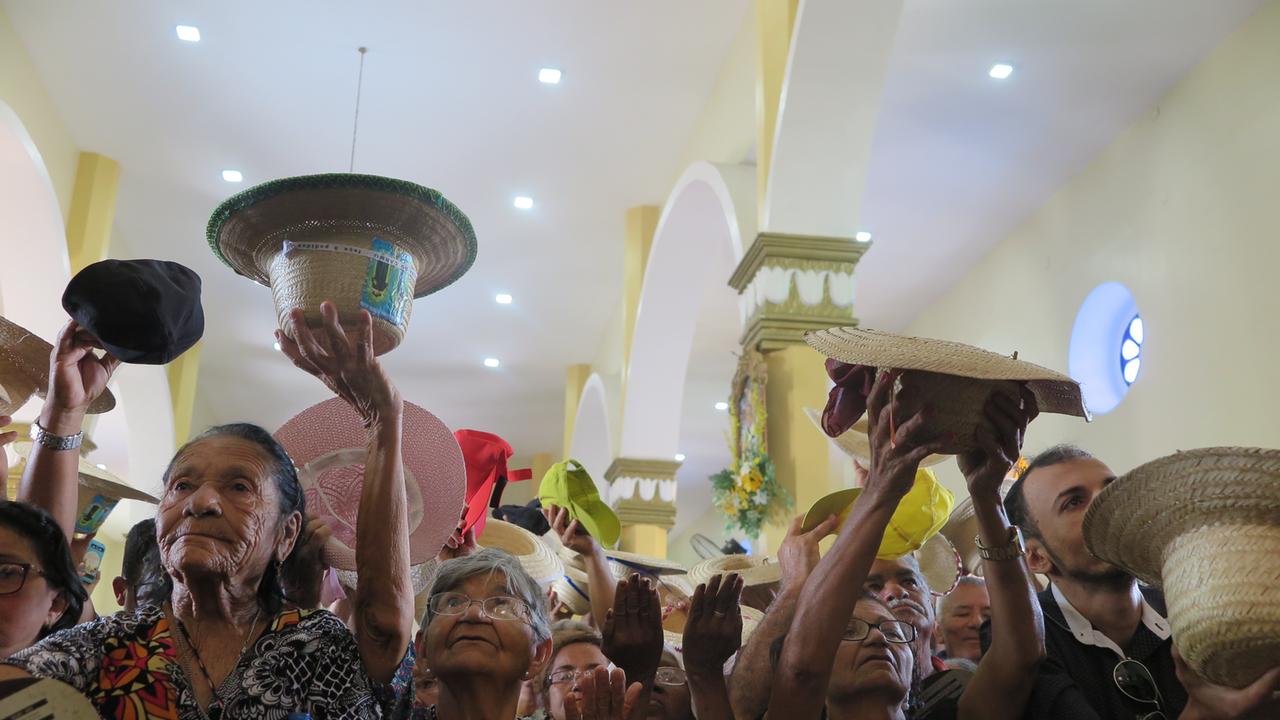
[488, 561]
[965, 580]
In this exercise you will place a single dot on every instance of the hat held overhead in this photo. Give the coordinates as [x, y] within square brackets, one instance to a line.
[24, 370]
[568, 485]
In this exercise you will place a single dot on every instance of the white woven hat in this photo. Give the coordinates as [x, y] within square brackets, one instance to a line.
[537, 559]
[24, 369]
[753, 569]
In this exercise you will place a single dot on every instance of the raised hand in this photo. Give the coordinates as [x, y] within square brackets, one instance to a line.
[798, 553]
[999, 441]
[571, 533]
[605, 696]
[899, 434]
[632, 630]
[77, 377]
[713, 632]
[459, 544]
[344, 361]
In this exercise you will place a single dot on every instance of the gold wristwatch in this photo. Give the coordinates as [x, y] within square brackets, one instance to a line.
[1011, 550]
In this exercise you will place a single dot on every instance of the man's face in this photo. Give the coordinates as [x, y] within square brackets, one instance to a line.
[899, 584]
[1057, 498]
[963, 613]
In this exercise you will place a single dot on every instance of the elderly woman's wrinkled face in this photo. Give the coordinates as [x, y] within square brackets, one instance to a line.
[566, 673]
[24, 612]
[220, 513]
[873, 664]
[472, 642]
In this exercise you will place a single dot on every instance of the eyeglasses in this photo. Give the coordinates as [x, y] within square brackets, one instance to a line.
[670, 676]
[14, 575]
[895, 631]
[569, 675]
[498, 607]
[1135, 681]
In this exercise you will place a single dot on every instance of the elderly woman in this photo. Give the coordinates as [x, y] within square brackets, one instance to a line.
[40, 592]
[225, 645]
[485, 633]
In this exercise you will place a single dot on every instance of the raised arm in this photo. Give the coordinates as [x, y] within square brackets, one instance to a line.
[752, 679]
[383, 603]
[600, 579]
[77, 376]
[825, 605]
[711, 636]
[1002, 686]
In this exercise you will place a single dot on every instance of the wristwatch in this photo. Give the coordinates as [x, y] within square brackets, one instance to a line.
[56, 442]
[1011, 550]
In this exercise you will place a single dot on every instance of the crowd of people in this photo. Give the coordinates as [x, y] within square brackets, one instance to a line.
[222, 617]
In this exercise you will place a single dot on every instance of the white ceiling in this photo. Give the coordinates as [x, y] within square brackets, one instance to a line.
[450, 100]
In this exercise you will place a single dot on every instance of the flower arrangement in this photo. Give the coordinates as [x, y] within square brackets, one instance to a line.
[748, 492]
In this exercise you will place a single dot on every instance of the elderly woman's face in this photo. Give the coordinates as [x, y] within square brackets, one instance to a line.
[474, 643]
[35, 604]
[220, 513]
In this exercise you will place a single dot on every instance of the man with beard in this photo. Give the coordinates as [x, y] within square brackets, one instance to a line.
[1107, 639]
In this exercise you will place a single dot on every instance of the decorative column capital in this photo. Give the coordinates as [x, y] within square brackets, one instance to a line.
[643, 492]
[788, 284]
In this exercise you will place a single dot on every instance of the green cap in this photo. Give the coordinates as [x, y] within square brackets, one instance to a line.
[568, 485]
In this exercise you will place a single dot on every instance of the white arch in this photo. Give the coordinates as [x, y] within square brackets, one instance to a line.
[705, 224]
[826, 117]
[592, 443]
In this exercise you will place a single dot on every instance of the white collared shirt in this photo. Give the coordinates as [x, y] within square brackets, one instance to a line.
[1085, 633]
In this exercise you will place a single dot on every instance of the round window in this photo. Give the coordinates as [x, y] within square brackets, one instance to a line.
[1105, 356]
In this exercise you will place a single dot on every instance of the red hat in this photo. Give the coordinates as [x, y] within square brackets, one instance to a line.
[486, 457]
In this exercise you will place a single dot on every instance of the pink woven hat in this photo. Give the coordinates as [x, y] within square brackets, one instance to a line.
[327, 444]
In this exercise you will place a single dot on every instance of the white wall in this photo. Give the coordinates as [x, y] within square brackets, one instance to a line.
[1184, 208]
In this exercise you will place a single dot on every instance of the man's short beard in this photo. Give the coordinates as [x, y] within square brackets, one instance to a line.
[1112, 578]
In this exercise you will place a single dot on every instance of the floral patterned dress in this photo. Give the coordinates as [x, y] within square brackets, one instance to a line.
[127, 664]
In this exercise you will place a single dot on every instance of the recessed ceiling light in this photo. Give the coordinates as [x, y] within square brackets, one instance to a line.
[100, 466]
[523, 202]
[550, 76]
[679, 457]
[188, 33]
[1000, 71]
[491, 362]
[862, 236]
[232, 175]
[502, 299]
[722, 406]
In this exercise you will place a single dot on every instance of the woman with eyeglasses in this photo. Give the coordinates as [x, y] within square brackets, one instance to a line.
[40, 591]
[576, 651]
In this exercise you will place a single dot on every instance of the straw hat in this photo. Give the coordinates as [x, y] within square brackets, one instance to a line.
[573, 590]
[538, 560]
[327, 443]
[753, 569]
[751, 619]
[625, 563]
[958, 379]
[857, 445]
[362, 241]
[99, 491]
[1204, 524]
[420, 575]
[962, 528]
[24, 369]
[940, 564]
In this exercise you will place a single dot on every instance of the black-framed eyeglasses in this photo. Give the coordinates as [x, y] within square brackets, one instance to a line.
[14, 575]
[498, 607]
[1134, 680]
[894, 631]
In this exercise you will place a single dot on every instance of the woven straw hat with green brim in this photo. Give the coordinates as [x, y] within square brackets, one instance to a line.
[361, 241]
[568, 485]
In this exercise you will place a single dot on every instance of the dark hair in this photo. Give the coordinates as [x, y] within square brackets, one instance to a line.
[292, 499]
[54, 555]
[141, 567]
[1015, 501]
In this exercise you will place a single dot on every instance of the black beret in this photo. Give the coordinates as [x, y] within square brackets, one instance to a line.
[145, 312]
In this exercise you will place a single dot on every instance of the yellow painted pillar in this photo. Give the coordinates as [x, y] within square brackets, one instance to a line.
[648, 540]
[775, 21]
[643, 493]
[642, 223]
[575, 378]
[183, 374]
[93, 209]
[542, 462]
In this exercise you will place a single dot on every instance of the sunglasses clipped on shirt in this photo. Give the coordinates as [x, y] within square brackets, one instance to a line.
[1134, 680]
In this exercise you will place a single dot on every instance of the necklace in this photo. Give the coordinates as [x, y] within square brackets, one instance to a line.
[217, 697]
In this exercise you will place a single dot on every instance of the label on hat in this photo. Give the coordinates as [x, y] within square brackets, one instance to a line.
[94, 514]
[388, 284]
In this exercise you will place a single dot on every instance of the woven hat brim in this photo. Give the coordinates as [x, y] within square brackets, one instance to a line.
[631, 562]
[857, 445]
[537, 559]
[28, 353]
[101, 481]
[939, 563]
[1132, 522]
[751, 619]
[420, 576]
[1055, 392]
[247, 230]
[431, 457]
[962, 528]
[753, 570]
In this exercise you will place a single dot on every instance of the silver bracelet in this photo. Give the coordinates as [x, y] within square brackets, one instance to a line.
[56, 442]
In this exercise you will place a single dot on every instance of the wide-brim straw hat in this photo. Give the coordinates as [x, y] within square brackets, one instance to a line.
[751, 619]
[328, 444]
[362, 241]
[573, 590]
[420, 576]
[753, 569]
[537, 559]
[24, 370]
[940, 564]
[958, 379]
[624, 563]
[857, 445]
[1205, 525]
[97, 495]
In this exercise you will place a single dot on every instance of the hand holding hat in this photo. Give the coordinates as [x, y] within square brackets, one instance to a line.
[568, 485]
[999, 442]
[571, 532]
[899, 432]
[78, 377]
[847, 401]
